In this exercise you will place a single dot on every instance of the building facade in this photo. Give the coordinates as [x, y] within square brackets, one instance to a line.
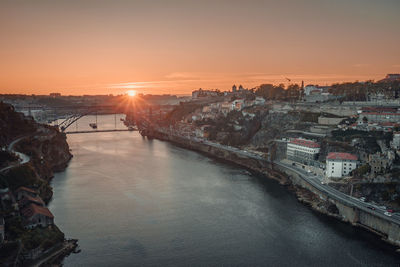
[396, 140]
[35, 215]
[340, 164]
[303, 151]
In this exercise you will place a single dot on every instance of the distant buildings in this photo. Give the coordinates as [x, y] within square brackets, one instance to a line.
[238, 104]
[379, 114]
[340, 164]
[396, 140]
[54, 95]
[302, 150]
[234, 88]
[204, 93]
[316, 93]
[391, 77]
[315, 89]
[380, 162]
[259, 101]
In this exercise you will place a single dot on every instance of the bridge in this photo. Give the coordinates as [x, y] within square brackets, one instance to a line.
[72, 113]
[101, 131]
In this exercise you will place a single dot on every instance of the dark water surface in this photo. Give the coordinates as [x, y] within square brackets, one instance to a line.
[137, 202]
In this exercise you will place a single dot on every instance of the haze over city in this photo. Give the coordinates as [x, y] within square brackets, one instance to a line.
[175, 47]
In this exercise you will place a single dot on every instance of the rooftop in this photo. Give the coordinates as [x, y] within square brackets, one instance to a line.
[23, 188]
[380, 113]
[304, 142]
[33, 209]
[32, 199]
[341, 156]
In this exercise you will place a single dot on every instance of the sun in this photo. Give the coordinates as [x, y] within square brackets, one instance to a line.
[131, 93]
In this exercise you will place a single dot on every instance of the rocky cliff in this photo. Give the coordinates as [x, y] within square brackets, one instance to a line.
[45, 145]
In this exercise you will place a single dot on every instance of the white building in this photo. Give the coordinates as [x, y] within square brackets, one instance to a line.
[340, 164]
[396, 140]
[259, 101]
[302, 150]
[238, 104]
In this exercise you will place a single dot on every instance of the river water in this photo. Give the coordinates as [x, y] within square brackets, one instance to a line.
[137, 202]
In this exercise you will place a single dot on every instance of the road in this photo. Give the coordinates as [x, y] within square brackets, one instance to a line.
[23, 158]
[315, 181]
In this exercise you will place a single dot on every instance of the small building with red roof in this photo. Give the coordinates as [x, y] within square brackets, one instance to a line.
[35, 215]
[339, 164]
[302, 150]
[26, 200]
[25, 191]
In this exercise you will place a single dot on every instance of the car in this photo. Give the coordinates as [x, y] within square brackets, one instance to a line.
[362, 199]
[390, 210]
[387, 213]
[371, 208]
[293, 164]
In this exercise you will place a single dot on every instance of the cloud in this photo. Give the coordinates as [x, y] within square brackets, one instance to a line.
[182, 75]
[396, 66]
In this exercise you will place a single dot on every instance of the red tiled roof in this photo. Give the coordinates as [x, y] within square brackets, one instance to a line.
[303, 142]
[33, 209]
[23, 188]
[27, 198]
[341, 156]
[388, 124]
[380, 113]
[379, 109]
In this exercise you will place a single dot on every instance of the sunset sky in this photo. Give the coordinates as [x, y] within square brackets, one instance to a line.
[173, 46]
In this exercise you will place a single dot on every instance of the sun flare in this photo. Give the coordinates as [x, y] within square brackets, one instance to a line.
[131, 92]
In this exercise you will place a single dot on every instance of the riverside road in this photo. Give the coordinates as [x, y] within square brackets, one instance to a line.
[315, 181]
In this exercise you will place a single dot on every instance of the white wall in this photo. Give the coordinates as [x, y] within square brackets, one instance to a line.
[338, 168]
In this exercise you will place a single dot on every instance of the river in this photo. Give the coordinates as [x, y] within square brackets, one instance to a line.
[137, 202]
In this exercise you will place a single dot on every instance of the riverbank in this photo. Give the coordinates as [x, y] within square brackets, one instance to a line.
[40, 151]
[305, 192]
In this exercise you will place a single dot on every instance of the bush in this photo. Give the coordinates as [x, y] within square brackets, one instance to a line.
[20, 176]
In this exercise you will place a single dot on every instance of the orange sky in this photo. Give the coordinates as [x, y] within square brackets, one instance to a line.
[176, 46]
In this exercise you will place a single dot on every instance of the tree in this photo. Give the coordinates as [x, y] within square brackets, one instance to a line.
[361, 171]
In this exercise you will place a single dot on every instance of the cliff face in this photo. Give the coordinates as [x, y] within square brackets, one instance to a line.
[45, 145]
[48, 150]
[274, 125]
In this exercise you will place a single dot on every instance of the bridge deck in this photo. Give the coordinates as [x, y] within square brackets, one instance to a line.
[101, 131]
